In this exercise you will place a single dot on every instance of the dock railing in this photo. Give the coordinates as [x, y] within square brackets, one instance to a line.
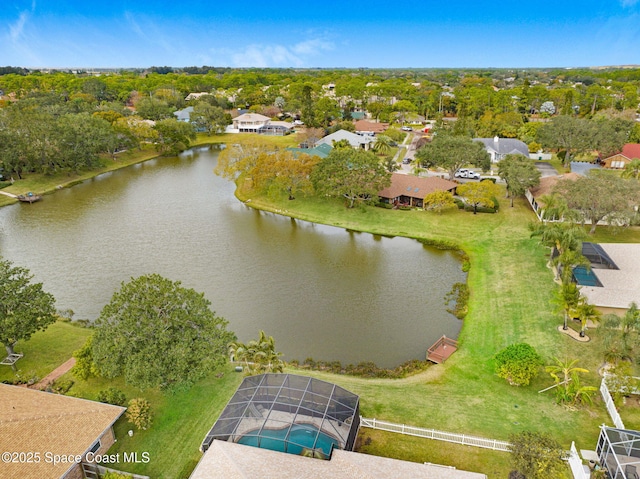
[438, 352]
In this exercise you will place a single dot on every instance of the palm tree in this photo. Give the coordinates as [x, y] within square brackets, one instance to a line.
[579, 393]
[565, 263]
[382, 145]
[566, 370]
[555, 207]
[259, 356]
[586, 312]
[567, 299]
[632, 169]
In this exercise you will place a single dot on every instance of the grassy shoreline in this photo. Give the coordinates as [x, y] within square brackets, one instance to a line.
[511, 290]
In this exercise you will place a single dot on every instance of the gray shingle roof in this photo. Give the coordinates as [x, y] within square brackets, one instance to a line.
[505, 146]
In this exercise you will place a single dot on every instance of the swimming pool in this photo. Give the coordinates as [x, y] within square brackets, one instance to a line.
[301, 438]
[585, 277]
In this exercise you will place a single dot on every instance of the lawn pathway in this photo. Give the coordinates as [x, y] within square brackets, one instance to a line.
[55, 374]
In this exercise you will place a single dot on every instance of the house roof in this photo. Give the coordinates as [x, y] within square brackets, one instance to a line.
[353, 139]
[619, 286]
[505, 146]
[415, 186]
[184, 114]
[321, 150]
[236, 461]
[548, 182]
[38, 421]
[252, 117]
[631, 150]
[364, 125]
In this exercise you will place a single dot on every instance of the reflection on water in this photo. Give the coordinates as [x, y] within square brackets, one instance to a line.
[322, 292]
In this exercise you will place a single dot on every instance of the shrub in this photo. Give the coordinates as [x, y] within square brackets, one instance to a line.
[61, 386]
[518, 364]
[112, 396]
[139, 413]
[84, 367]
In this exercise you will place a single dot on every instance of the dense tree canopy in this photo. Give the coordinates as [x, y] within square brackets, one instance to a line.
[155, 332]
[520, 174]
[452, 153]
[601, 196]
[24, 307]
[537, 455]
[356, 175]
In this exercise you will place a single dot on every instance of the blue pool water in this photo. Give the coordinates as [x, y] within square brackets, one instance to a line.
[585, 277]
[302, 436]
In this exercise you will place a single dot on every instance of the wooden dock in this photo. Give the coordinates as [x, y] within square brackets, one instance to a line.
[441, 350]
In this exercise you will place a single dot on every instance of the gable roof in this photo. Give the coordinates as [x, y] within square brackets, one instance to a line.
[505, 146]
[184, 114]
[321, 150]
[38, 421]
[415, 186]
[353, 139]
[236, 461]
[364, 125]
[631, 150]
[251, 117]
[548, 182]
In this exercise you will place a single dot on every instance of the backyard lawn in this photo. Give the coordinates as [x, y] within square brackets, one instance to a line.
[45, 351]
[511, 292]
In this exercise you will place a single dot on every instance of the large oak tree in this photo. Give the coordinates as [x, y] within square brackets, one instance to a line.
[356, 175]
[155, 332]
[24, 307]
[452, 153]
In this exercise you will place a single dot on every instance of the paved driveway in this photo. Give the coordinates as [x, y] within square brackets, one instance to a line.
[546, 169]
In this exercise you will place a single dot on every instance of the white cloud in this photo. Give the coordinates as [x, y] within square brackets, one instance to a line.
[16, 29]
[261, 56]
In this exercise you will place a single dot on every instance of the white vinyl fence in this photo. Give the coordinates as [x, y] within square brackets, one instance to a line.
[437, 435]
[611, 407]
[575, 463]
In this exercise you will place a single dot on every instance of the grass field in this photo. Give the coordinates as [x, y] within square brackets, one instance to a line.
[511, 291]
[46, 350]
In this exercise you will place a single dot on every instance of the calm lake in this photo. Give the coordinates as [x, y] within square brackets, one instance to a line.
[322, 292]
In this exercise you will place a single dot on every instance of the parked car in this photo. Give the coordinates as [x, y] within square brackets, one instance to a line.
[406, 161]
[406, 128]
[466, 173]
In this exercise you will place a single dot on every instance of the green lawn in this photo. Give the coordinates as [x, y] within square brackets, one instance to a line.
[180, 422]
[46, 350]
[495, 464]
[511, 290]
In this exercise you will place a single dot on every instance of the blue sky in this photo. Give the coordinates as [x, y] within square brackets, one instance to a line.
[349, 33]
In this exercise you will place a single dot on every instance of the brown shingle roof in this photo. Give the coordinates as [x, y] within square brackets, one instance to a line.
[36, 421]
[415, 186]
[548, 182]
[364, 125]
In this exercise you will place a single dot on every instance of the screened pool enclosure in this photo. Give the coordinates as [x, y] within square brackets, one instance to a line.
[289, 413]
[619, 452]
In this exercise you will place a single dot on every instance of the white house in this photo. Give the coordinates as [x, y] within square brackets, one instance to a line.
[256, 123]
[498, 148]
[355, 140]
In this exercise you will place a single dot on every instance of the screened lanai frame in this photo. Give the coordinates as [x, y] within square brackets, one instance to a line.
[269, 402]
[619, 452]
